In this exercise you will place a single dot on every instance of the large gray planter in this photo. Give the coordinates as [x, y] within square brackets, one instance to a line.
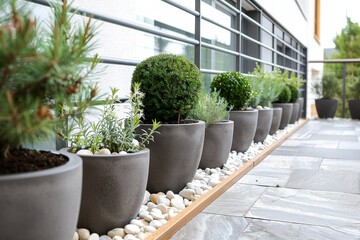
[174, 155]
[301, 102]
[263, 125]
[43, 204]
[295, 113]
[354, 107]
[113, 190]
[286, 113]
[326, 108]
[245, 123]
[275, 124]
[217, 144]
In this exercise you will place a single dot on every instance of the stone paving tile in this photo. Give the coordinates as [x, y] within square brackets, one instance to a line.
[311, 143]
[340, 165]
[334, 181]
[327, 138]
[212, 227]
[290, 162]
[319, 152]
[236, 201]
[308, 207]
[267, 177]
[272, 230]
[350, 145]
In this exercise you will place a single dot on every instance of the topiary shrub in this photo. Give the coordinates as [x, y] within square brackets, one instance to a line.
[285, 95]
[234, 87]
[171, 85]
[294, 93]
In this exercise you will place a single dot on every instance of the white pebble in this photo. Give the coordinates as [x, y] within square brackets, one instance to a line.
[137, 222]
[156, 215]
[170, 194]
[199, 191]
[123, 153]
[132, 229]
[104, 237]
[117, 238]
[84, 234]
[103, 151]
[116, 232]
[84, 152]
[149, 229]
[177, 203]
[186, 202]
[163, 200]
[213, 182]
[146, 215]
[187, 193]
[163, 208]
[150, 205]
[146, 197]
[198, 176]
[155, 224]
[76, 236]
[171, 213]
[94, 236]
[130, 237]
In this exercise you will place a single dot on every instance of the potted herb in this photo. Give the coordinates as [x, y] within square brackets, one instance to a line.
[235, 88]
[283, 100]
[116, 165]
[328, 88]
[171, 85]
[214, 111]
[39, 71]
[354, 103]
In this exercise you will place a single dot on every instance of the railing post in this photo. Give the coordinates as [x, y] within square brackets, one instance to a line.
[344, 91]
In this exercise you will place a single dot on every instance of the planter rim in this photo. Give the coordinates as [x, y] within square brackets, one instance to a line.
[326, 99]
[354, 99]
[124, 156]
[176, 124]
[277, 108]
[283, 103]
[74, 161]
[222, 122]
[264, 109]
[246, 110]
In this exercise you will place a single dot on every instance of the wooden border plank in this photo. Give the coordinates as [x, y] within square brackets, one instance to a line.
[173, 225]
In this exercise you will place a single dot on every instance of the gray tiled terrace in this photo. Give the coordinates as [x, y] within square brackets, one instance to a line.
[308, 188]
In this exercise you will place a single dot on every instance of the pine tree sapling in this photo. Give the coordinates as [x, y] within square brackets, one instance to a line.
[234, 87]
[210, 108]
[171, 85]
[328, 87]
[40, 71]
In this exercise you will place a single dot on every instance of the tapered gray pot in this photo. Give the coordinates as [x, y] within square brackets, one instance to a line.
[43, 204]
[245, 123]
[265, 117]
[174, 155]
[113, 189]
[286, 113]
[275, 123]
[217, 144]
[295, 113]
[354, 107]
[326, 108]
[301, 102]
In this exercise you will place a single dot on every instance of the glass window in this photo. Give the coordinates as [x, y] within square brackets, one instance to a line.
[266, 23]
[266, 38]
[278, 32]
[266, 54]
[218, 36]
[212, 59]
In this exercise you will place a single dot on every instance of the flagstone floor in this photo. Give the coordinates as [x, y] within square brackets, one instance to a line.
[308, 188]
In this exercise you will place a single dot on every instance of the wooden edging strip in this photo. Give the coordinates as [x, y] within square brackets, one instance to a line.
[174, 224]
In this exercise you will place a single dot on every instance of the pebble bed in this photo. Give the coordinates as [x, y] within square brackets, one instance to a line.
[158, 208]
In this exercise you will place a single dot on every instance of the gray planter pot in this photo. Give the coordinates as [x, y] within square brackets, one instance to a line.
[113, 190]
[174, 155]
[265, 117]
[275, 124]
[245, 123]
[43, 204]
[301, 102]
[295, 113]
[286, 113]
[354, 107]
[217, 144]
[326, 108]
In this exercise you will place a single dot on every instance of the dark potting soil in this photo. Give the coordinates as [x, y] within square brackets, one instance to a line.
[25, 160]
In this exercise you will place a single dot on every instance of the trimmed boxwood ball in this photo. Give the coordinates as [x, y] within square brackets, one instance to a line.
[294, 93]
[171, 84]
[234, 87]
[285, 95]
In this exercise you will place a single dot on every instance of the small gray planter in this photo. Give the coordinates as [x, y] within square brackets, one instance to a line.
[174, 155]
[245, 123]
[326, 108]
[295, 113]
[286, 113]
[275, 124]
[301, 102]
[43, 204]
[113, 190]
[217, 144]
[263, 125]
[354, 107]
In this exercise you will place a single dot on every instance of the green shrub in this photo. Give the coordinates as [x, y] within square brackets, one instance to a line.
[234, 87]
[285, 95]
[210, 108]
[328, 87]
[294, 93]
[171, 85]
[257, 88]
[355, 88]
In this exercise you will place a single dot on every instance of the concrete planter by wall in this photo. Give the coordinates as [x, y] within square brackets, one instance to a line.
[174, 155]
[265, 117]
[295, 113]
[43, 204]
[275, 124]
[245, 123]
[301, 102]
[286, 113]
[113, 189]
[326, 108]
[217, 144]
[354, 107]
